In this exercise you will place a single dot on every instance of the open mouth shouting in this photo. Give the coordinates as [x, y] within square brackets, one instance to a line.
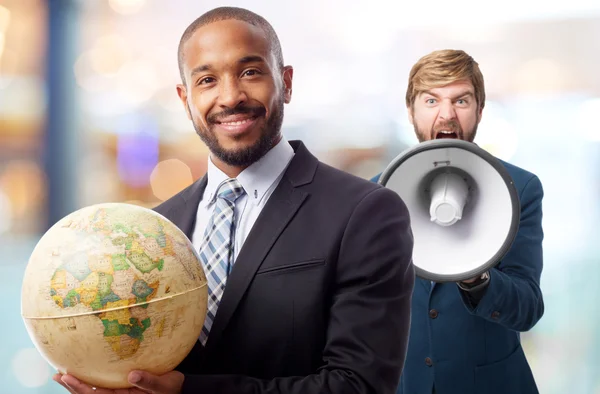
[442, 134]
[447, 130]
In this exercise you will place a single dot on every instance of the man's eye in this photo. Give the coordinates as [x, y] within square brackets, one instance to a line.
[206, 80]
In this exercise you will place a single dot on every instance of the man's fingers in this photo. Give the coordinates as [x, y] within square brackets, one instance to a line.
[75, 385]
[78, 387]
[57, 378]
[168, 383]
[146, 381]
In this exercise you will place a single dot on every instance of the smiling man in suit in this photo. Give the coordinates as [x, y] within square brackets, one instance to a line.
[310, 269]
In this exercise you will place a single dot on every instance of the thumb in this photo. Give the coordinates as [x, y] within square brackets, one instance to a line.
[146, 381]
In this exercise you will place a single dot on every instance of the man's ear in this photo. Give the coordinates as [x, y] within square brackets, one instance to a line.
[288, 74]
[480, 114]
[409, 110]
[182, 93]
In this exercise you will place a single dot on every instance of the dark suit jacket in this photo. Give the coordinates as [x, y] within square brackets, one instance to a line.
[319, 297]
[477, 349]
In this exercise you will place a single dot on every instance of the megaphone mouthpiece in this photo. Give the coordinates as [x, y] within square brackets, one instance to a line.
[448, 193]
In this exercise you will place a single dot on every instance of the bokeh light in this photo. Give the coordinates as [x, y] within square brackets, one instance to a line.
[30, 369]
[24, 183]
[126, 7]
[5, 213]
[170, 177]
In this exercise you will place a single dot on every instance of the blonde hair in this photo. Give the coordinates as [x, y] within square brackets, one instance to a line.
[441, 68]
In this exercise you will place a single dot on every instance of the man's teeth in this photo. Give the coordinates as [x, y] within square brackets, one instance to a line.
[446, 132]
[239, 122]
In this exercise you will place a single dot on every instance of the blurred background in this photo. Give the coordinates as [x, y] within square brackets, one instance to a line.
[89, 113]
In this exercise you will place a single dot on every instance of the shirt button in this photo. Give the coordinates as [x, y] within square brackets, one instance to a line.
[433, 313]
[428, 362]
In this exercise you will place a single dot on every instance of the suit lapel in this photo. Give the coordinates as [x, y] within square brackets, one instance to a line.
[279, 210]
[272, 221]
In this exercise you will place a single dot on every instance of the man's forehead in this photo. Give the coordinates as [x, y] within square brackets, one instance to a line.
[458, 87]
[226, 35]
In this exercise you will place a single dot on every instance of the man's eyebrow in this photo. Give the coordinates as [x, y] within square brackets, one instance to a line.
[202, 68]
[244, 60]
[465, 94]
[461, 94]
[429, 93]
[251, 59]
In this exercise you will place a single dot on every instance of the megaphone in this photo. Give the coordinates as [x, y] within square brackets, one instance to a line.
[463, 205]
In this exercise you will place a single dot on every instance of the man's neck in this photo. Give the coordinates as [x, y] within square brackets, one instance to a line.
[229, 170]
[233, 171]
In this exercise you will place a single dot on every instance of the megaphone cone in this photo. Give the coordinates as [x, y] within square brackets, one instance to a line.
[463, 205]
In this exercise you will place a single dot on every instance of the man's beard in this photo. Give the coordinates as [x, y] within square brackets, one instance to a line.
[452, 126]
[243, 157]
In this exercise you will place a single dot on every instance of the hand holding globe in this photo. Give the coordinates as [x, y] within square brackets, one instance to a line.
[169, 383]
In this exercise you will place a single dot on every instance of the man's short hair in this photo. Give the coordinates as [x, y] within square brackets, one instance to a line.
[441, 68]
[226, 13]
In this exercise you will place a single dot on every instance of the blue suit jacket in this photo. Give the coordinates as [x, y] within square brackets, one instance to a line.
[472, 350]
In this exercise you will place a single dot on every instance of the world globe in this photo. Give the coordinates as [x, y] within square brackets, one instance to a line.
[111, 288]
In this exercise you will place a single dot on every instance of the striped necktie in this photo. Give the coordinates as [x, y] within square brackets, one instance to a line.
[216, 250]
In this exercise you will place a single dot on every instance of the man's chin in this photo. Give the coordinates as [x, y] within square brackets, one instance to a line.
[238, 144]
[241, 153]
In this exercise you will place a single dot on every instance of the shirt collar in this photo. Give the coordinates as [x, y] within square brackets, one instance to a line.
[258, 178]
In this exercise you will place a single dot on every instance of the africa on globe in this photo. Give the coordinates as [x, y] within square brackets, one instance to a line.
[111, 288]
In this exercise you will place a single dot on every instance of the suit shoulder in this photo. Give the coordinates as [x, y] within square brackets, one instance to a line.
[529, 186]
[517, 171]
[163, 207]
[350, 190]
[344, 180]
[168, 204]
[520, 176]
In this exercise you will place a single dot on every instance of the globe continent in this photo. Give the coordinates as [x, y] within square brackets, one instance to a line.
[111, 288]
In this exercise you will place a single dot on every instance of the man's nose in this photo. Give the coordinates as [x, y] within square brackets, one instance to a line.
[447, 111]
[231, 93]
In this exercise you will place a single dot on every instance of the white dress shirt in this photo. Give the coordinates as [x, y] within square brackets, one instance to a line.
[259, 181]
